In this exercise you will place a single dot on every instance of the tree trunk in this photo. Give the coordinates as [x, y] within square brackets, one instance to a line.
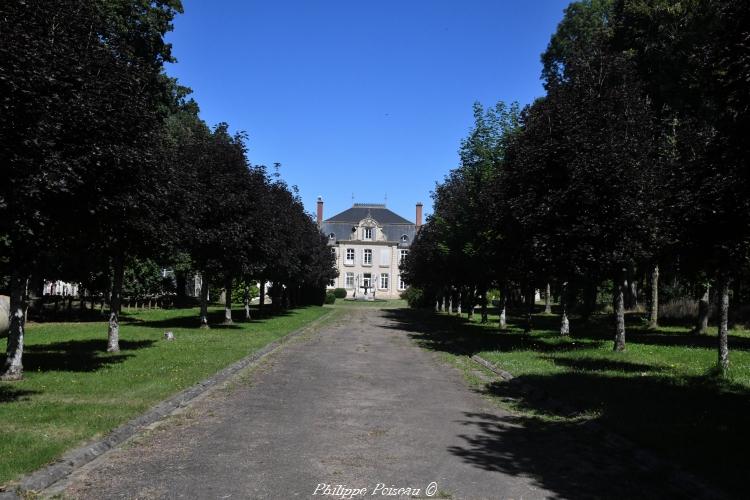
[547, 301]
[246, 298]
[653, 317]
[630, 293]
[589, 301]
[723, 299]
[529, 299]
[564, 321]
[459, 299]
[484, 307]
[470, 297]
[113, 334]
[450, 302]
[618, 305]
[437, 305]
[204, 301]
[180, 279]
[503, 300]
[262, 296]
[704, 309]
[13, 367]
[228, 300]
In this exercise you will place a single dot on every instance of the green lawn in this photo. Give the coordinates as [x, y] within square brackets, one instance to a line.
[73, 390]
[661, 393]
[382, 304]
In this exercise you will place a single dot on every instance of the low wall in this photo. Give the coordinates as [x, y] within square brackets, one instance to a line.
[4, 313]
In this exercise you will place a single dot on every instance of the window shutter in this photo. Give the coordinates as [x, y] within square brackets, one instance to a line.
[385, 256]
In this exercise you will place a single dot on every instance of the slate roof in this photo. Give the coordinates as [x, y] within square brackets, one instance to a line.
[393, 225]
[377, 211]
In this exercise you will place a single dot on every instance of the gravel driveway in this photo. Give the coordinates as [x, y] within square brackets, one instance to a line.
[356, 404]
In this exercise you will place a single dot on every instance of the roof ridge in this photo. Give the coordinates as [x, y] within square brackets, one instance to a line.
[381, 214]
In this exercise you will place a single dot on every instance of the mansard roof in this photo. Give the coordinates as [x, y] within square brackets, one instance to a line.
[373, 210]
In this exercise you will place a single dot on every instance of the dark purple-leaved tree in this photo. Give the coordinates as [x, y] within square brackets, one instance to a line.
[80, 83]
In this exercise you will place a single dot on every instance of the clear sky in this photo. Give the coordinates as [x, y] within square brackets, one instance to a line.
[364, 98]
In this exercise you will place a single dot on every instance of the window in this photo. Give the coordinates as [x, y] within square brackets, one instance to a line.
[333, 252]
[401, 284]
[384, 281]
[350, 256]
[332, 236]
[367, 233]
[404, 238]
[331, 283]
[385, 256]
[367, 280]
[367, 257]
[349, 280]
[402, 255]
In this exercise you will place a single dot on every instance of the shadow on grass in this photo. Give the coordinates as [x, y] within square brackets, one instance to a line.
[698, 422]
[455, 335]
[601, 327]
[215, 319]
[570, 459]
[599, 365]
[9, 394]
[685, 339]
[77, 355]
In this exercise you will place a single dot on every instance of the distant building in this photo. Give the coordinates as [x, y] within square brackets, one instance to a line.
[369, 242]
[60, 288]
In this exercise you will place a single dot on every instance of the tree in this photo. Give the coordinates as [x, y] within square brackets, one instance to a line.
[463, 238]
[695, 60]
[78, 80]
[613, 215]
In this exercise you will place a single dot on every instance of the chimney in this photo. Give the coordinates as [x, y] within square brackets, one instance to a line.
[419, 215]
[320, 212]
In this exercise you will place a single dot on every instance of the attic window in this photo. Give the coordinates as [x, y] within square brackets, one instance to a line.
[404, 238]
[367, 233]
[332, 236]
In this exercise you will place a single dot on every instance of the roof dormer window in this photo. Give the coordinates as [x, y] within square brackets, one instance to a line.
[367, 233]
[404, 238]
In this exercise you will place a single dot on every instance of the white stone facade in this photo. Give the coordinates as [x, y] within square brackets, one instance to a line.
[368, 252]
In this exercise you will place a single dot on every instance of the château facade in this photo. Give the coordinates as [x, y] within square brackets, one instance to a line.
[369, 242]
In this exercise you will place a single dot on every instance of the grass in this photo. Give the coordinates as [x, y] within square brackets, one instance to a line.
[73, 390]
[380, 304]
[662, 393]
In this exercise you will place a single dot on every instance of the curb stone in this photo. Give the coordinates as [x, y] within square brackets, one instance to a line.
[680, 480]
[45, 477]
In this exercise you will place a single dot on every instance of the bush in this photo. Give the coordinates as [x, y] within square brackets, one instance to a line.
[416, 298]
[681, 309]
[340, 293]
[330, 298]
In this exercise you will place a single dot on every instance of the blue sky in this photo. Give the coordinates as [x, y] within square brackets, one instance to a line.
[359, 97]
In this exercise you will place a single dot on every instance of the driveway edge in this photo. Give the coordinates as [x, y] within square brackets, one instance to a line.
[74, 459]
